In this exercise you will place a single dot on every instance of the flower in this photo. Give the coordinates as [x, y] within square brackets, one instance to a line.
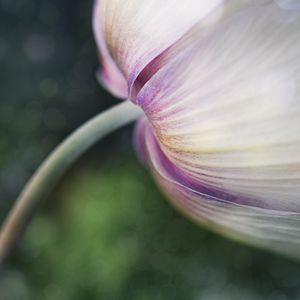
[219, 82]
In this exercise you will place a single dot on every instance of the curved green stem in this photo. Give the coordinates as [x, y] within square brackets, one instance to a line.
[51, 170]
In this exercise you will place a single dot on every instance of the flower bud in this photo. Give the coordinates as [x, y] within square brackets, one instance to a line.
[220, 86]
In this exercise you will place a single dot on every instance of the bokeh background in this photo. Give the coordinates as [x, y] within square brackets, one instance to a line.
[106, 232]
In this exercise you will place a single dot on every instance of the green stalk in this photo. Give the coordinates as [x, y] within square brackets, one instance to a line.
[52, 169]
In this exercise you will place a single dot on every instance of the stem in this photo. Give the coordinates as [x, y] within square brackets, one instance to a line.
[51, 170]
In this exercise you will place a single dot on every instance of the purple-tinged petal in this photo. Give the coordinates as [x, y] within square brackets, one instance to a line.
[109, 75]
[289, 4]
[137, 32]
[139, 141]
[237, 218]
[225, 107]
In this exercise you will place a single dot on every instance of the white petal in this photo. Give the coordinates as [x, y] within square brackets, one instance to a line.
[109, 76]
[137, 31]
[226, 109]
[289, 4]
[275, 230]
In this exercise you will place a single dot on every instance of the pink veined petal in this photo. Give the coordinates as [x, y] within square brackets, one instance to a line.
[275, 230]
[136, 32]
[109, 75]
[224, 138]
[225, 108]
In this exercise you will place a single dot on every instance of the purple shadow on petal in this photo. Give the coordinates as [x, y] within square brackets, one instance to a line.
[138, 80]
[150, 152]
[114, 84]
[139, 140]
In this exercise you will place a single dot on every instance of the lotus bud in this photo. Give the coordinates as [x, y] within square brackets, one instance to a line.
[219, 83]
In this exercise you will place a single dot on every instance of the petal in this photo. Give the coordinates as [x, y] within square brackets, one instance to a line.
[139, 141]
[276, 230]
[136, 32]
[225, 107]
[109, 76]
[289, 4]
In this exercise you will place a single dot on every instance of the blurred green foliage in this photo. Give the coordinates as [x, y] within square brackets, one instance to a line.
[111, 235]
[48, 61]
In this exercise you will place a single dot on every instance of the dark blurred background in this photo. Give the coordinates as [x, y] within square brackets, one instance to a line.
[106, 232]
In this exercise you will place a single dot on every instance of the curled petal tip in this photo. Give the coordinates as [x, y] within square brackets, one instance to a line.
[134, 33]
[112, 82]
